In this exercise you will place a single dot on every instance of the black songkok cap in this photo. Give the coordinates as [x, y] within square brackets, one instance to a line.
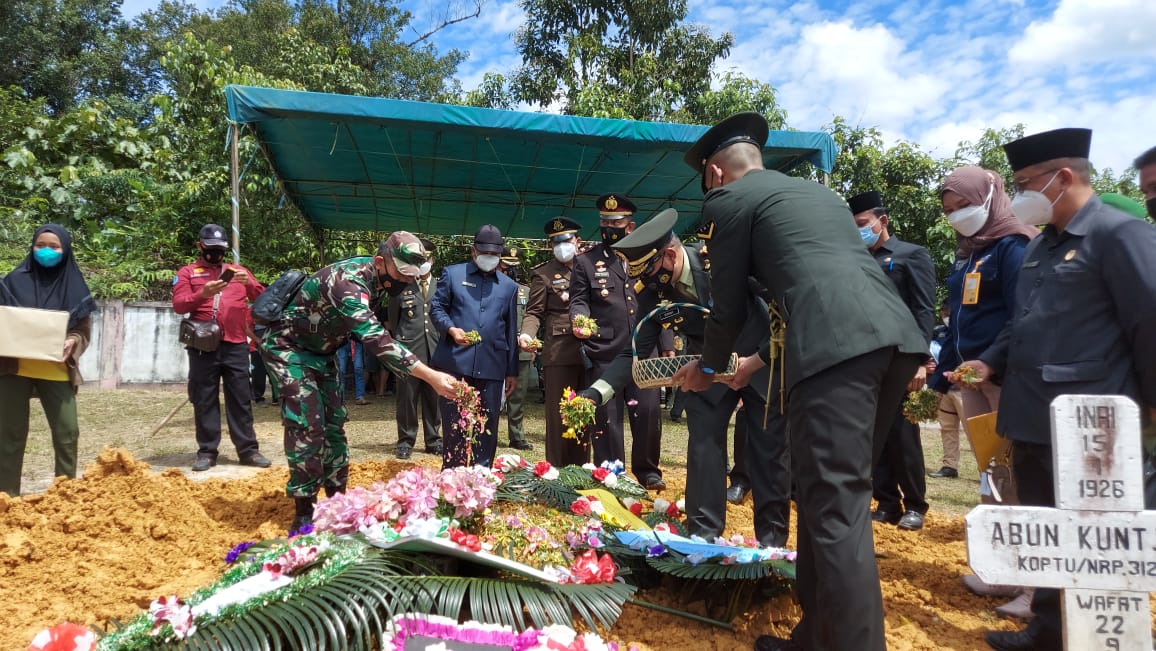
[639, 247]
[865, 201]
[560, 229]
[1049, 145]
[748, 127]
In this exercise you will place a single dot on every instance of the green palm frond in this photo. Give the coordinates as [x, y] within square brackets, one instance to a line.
[523, 485]
[678, 566]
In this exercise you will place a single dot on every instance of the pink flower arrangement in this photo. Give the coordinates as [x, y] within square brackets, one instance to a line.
[171, 610]
[294, 559]
[592, 567]
[471, 420]
[64, 637]
[581, 506]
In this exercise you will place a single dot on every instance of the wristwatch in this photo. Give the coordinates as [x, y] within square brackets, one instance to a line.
[704, 369]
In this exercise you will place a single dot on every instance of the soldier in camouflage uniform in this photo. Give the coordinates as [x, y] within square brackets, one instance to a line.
[299, 350]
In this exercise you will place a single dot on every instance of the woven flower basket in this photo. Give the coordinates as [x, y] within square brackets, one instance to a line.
[658, 371]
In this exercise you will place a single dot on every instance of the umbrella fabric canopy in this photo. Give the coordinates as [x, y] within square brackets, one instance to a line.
[366, 163]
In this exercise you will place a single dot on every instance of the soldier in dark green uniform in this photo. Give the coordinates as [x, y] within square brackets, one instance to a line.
[666, 271]
[851, 346]
[1084, 318]
[333, 304]
[515, 418]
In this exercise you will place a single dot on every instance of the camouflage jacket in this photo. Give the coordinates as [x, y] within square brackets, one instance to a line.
[338, 302]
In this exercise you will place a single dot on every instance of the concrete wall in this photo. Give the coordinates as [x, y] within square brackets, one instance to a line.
[134, 343]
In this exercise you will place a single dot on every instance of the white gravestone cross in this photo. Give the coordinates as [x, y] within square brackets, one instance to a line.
[1098, 544]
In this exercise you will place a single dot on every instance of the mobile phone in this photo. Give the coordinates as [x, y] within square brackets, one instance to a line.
[227, 275]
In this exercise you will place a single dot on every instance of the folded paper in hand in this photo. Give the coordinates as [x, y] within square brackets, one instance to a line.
[30, 333]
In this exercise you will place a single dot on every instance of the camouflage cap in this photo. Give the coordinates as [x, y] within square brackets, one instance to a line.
[407, 252]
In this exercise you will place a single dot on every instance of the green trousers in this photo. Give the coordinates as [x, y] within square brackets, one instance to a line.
[59, 402]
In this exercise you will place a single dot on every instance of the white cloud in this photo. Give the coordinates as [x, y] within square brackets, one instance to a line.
[1088, 31]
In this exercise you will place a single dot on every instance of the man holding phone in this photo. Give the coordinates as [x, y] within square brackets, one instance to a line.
[212, 289]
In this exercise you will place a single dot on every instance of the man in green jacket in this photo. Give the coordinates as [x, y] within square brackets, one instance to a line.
[850, 347]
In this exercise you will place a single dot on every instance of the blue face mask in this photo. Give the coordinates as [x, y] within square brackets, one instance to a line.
[48, 257]
[869, 236]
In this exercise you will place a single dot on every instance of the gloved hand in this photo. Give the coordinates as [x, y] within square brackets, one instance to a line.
[591, 394]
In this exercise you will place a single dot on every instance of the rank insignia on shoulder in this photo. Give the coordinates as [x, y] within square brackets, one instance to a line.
[664, 278]
[705, 231]
[639, 286]
[1070, 255]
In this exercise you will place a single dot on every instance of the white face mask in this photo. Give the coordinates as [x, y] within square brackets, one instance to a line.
[1032, 207]
[967, 221]
[564, 252]
[486, 262]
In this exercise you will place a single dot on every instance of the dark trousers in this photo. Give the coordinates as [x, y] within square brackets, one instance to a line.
[412, 392]
[1035, 484]
[562, 451]
[482, 449]
[835, 419]
[765, 450]
[645, 428]
[901, 468]
[227, 366]
[706, 460]
[677, 403]
[59, 402]
[515, 404]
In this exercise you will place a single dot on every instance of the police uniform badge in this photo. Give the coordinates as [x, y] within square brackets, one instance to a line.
[557, 225]
[1071, 254]
[611, 202]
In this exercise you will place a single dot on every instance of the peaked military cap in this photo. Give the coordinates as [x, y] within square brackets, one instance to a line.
[560, 229]
[1049, 145]
[749, 127]
[865, 201]
[511, 255]
[640, 248]
[489, 239]
[615, 205]
[429, 246]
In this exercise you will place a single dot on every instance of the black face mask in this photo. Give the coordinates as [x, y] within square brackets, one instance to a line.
[213, 256]
[512, 273]
[611, 234]
[392, 286]
[1151, 205]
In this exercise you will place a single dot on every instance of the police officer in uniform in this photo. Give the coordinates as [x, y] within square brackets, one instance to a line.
[299, 350]
[850, 348]
[548, 312]
[408, 315]
[1085, 312]
[508, 264]
[909, 266]
[666, 271]
[602, 291]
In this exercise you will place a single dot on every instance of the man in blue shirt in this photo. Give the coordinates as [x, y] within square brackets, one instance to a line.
[472, 298]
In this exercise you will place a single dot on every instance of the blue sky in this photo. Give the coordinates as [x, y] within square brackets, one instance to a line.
[931, 71]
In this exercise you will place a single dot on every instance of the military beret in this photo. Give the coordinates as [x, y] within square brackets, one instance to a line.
[749, 127]
[511, 255]
[615, 205]
[865, 201]
[640, 247]
[1124, 203]
[1049, 145]
[560, 229]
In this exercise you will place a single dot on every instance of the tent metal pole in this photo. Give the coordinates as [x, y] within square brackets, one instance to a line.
[235, 182]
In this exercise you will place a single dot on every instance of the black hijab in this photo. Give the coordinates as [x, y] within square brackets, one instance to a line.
[62, 287]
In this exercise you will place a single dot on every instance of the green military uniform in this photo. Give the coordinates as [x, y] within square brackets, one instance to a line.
[515, 415]
[851, 346]
[333, 304]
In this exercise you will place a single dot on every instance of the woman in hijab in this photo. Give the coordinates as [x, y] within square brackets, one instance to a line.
[990, 244]
[47, 279]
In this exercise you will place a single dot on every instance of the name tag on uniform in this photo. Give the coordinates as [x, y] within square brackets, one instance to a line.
[1031, 265]
[971, 288]
[468, 283]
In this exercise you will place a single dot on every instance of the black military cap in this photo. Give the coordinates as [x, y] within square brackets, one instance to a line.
[213, 235]
[488, 239]
[865, 201]
[429, 246]
[615, 205]
[560, 229]
[1049, 145]
[640, 248]
[511, 255]
[741, 127]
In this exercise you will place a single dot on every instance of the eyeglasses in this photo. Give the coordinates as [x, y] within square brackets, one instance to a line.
[1019, 185]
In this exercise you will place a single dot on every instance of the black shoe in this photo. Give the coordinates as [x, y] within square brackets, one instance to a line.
[521, 445]
[675, 419]
[204, 462]
[435, 449]
[654, 484]
[890, 517]
[911, 521]
[330, 491]
[944, 473]
[256, 459]
[1032, 638]
[772, 643]
[403, 451]
[737, 493]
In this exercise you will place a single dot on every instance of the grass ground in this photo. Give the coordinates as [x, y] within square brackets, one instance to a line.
[129, 419]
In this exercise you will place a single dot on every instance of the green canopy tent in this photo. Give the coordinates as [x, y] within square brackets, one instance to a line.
[366, 163]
